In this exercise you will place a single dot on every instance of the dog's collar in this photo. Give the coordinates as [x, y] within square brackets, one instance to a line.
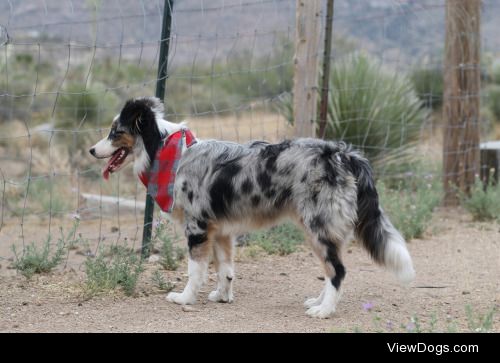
[160, 178]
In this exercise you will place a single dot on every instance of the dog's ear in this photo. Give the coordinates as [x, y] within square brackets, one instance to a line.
[139, 114]
[155, 104]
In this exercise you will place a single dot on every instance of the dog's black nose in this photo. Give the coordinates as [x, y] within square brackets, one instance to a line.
[92, 151]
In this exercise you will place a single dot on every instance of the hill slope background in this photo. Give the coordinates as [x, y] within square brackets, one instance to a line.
[401, 30]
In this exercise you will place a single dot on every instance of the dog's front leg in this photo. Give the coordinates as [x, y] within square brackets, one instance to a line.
[223, 258]
[199, 251]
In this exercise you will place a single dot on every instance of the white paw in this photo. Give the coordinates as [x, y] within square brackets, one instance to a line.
[181, 298]
[216, 296]
[320, 311]
[309, 303]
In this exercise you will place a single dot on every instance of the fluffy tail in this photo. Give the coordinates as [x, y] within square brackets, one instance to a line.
[384, 243]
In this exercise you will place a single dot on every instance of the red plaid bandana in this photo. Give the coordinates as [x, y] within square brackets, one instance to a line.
[160, 178]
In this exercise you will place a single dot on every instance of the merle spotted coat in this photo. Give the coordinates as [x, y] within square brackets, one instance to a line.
[224, 189]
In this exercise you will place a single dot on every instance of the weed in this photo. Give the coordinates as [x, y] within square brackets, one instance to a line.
[410, 209]
[71, 239]
[170, 255]
[280, 240]
[476, 323]
[160, 283]
[36, 260]
[122, 269]
[484, 201]
[479, 323]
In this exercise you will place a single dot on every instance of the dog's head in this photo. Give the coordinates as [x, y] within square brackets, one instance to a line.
[135, 132]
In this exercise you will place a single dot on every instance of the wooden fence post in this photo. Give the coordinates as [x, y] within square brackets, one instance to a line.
[461, 97]
[306, 64]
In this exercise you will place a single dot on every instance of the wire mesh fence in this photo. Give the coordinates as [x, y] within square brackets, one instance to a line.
[67, 67]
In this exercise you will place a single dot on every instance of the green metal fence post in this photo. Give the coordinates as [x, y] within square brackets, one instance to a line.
[325, 87]
[160, 93]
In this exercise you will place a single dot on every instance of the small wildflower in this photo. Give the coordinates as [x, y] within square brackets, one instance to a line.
[367, 306]
[411, 327]
[389, 326]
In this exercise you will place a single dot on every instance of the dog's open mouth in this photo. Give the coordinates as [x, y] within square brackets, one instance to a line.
[115, 162]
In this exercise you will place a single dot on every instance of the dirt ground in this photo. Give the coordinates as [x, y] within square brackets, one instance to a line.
[457, 264]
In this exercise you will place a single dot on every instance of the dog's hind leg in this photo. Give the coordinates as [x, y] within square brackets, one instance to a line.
[200, 239]
[314, 301]
[326, 303]
[311, 239]
[223, 259]
[327, 247]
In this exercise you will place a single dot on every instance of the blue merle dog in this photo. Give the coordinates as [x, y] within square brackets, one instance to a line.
[223, 189]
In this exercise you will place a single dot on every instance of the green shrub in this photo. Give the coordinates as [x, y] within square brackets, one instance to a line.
[116, 250]
[483, 203]
[15, 96]
[71, 240]
[122, 269]
[256, 78]
[410, 208]
[36, 260]
[112, 74]
[280, 240]
[407, 169]
[170, 256]
[78, 105]
[479, 323]
[159, 282]
[226, 85]
[429, 86]
[198, 95]
[496, 73]
[493, 100]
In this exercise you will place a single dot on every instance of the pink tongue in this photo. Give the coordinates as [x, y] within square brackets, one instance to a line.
[105, 170]
[105, 173]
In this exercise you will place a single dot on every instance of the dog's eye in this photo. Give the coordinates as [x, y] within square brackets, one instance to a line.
[115, 133]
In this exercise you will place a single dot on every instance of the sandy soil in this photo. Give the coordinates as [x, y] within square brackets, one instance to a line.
[457, 264]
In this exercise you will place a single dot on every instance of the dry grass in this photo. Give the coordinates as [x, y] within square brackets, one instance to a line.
[241, 127]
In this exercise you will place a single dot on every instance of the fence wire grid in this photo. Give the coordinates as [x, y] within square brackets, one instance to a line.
[66, 68]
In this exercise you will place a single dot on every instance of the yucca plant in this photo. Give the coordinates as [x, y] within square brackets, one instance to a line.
[369, 107]
[372, 108]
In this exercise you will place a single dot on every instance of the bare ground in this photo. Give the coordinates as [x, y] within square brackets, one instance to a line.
[457, 264]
